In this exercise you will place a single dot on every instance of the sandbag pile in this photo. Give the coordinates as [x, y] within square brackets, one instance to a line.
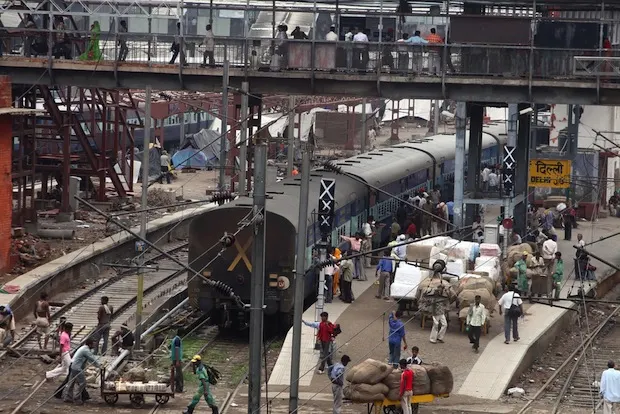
[421, 382]
[441, 379]
[515, 252]
[428, 379]
[472, 285]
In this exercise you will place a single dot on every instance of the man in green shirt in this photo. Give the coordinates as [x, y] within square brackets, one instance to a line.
[558, 275]
[203, 388]
[521, 266]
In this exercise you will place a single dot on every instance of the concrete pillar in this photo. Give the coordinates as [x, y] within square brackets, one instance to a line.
[6, 186]
[74, 188]
[476, 119]
[459, 163]
[522, 156]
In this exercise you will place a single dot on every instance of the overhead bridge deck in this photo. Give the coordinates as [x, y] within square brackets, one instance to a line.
[136, 75]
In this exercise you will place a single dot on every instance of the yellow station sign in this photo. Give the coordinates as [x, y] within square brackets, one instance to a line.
[550, 173]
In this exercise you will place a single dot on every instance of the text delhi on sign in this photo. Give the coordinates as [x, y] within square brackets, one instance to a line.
[550, 173]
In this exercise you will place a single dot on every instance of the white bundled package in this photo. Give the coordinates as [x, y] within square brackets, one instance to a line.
[489, 264]
[463, 250]
[438, 241]
[456, 267]
[490, 249]
[406, 281]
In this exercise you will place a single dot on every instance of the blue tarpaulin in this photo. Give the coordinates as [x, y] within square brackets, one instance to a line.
[190, 157]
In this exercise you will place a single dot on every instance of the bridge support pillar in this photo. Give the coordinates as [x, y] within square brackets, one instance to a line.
[459, 163]
[474, 158]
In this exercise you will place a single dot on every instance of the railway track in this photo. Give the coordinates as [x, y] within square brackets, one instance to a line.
[80, 307]
[575, 384]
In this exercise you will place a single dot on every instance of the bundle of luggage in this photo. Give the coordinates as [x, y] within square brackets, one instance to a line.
[471, 286]
[373, 380]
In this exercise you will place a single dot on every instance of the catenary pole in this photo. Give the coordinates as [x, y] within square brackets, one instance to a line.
[243, 149]
[224, 134]
[258, 277]
[145, 214]
[300, 270]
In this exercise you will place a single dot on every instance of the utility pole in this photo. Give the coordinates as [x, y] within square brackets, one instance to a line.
[300, 271]
[243, 150]
[364, 139]
[143, 217]
[290, 152]
[258, 276]
[508, 168]
[224, 134]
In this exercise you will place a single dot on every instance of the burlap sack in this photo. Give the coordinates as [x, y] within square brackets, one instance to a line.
[515, 253]
[475, 283]
[365, 393]
[421, 254]
[427, 287]
[467, 297]
[421, 382]
[441, 379]
[368, 372]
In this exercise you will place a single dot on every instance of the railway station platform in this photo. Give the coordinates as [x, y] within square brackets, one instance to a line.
[478, 378]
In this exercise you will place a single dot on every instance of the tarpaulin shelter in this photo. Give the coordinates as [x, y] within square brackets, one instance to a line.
[199, 150]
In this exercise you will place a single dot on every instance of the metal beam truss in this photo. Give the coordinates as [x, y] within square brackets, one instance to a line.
[597, 66]
[83, 133]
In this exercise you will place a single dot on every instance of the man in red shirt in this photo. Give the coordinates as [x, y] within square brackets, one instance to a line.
[406, 387]
[324, 336]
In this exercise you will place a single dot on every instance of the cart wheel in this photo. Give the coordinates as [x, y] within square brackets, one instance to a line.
[110, 399]
[414, 408]
[161, 398]
[389, 409]
[137, 400]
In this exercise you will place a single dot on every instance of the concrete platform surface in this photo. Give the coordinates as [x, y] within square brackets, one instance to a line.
[309, 357]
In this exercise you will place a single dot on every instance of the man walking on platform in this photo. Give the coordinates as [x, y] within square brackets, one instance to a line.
[610, 388]
[558, 275]
[395, 337]
[511, 306]
[406, 387]
[336, 376]
[476, 317]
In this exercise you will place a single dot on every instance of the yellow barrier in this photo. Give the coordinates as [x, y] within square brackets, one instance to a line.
[386, 406]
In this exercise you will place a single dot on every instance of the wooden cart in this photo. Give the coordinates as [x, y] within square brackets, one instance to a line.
[386, 406]
[136, 398]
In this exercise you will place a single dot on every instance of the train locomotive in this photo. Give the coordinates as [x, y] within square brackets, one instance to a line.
[401, 169]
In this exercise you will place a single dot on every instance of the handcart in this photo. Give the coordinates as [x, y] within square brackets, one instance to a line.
[136, 392]
[386, 406]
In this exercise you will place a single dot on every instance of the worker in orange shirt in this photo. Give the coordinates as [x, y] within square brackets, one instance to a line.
[434, 53]
[337, 255]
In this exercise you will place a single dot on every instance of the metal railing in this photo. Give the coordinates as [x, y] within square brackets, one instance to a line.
[380, 58]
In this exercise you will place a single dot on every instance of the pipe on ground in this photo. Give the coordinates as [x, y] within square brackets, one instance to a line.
[56, 233]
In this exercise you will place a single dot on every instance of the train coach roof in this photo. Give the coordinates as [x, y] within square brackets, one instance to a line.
[283, 197]
[411, 156]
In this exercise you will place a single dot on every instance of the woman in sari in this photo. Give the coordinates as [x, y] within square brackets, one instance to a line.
[93, 52]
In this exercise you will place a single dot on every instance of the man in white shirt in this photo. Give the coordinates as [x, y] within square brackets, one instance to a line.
[493, 181]
[209, 44]
[485, 178]
[511, 317]
[360, 54]
[610, 388]
[549, 249]
[580, 242]
[367, 242]
[331, 36]
[476, 317]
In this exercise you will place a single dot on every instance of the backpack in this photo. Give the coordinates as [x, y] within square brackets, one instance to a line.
[214, 374]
